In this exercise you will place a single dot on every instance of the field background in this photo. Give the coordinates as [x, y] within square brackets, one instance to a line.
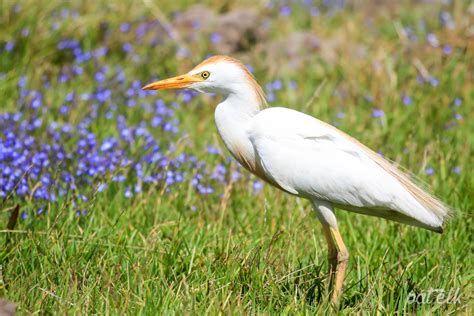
[198, 234]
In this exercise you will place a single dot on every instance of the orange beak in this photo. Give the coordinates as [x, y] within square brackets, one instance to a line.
[178, 82]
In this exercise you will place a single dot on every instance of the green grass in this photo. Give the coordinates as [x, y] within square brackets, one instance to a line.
[247, 253]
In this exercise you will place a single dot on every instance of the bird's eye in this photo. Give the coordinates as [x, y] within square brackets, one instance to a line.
[205, 74]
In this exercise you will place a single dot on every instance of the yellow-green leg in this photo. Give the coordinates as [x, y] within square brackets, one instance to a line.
[338, 255]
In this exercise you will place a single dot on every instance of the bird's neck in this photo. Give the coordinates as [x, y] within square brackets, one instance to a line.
[239, 106]
[245, 105]
[233, 117]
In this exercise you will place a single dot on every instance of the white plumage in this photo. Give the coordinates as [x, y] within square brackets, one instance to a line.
[308, 158]
[311, 159]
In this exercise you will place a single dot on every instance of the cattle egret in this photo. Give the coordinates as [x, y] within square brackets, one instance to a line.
[308, 158]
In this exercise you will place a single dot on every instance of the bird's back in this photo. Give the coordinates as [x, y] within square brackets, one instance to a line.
[313, 159]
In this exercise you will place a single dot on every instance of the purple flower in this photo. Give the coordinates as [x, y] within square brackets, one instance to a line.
[377, 113]
[183, 52]
[205, 190]
[124, 27]
[81, 213]
[292, 84]
[195, 24]
[271, 97]
[99, 76]
[138, 188]
[22, 82]
[213, 150]
[432, 40]
[433, 81]
[340, 115]
[101, 187]
[285, 10]
[277, 85]
[25, 32]
[429, 171]
[314, 11]
[406, 100]
[215, 38]
[446, 20]
[77, 71]
[7, 171]
[118, 178]
[9, 46]
[257, 186]
[457, 102]
[447, 50]
[36, 103]
[141, 30]
[456, 170]
[100, 52]
[22, 189]
[127, 47]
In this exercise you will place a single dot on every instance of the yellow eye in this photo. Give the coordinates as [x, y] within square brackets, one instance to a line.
[205, 74]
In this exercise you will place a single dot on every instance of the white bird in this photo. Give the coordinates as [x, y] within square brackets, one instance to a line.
[306, 157]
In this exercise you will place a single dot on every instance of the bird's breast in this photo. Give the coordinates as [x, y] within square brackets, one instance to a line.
[250, 162]
[231, 125]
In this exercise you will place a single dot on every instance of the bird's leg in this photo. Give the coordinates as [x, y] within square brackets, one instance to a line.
[337, 251]
[338, 257]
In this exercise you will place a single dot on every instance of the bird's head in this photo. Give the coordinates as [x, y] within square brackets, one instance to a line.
[218, 74]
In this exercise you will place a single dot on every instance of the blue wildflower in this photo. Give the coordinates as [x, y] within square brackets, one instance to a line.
[314, 11]
[433, 81]
[213, 150]
[432, 40]
[215, 38]
[457, 102]
[127, 47]
[257, 186]
[285, 10]
[9, 46]
[406, 100]
[340, 115]
[124, 27]
[277, 85]
[456, 170]
[429, 171]
[447, 49]
[292, 84]
[128, 193]
[377, 113]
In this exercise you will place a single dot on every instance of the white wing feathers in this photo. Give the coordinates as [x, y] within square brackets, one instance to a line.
[314, 160]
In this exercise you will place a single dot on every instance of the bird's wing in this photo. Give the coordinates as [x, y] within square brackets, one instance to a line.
[312, 159]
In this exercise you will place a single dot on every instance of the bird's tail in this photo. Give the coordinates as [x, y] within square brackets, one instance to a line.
[438, 211]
